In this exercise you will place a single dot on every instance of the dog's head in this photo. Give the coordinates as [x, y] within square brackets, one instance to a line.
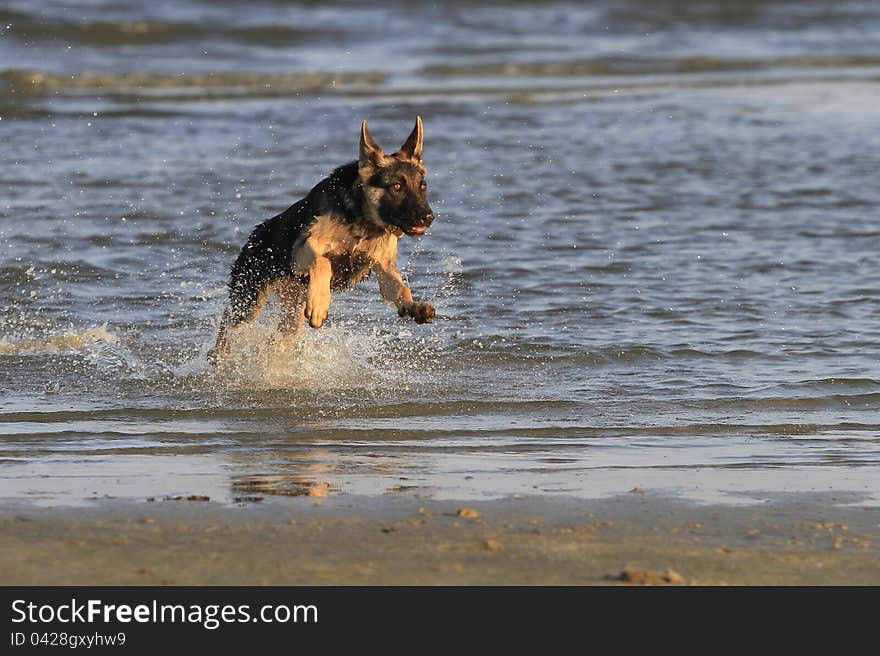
[395, 192]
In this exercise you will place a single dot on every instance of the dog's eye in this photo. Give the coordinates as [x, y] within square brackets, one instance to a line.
[397, 186]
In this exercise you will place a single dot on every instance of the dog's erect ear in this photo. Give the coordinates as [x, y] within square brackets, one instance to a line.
[413, 146]
[370, 152]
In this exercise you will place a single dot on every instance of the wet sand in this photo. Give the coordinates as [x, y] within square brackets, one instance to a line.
[400, 539]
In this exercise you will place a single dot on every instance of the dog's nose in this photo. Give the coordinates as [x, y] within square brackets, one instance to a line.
[428, 219]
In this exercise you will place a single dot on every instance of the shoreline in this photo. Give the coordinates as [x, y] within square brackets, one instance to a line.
[404, 540]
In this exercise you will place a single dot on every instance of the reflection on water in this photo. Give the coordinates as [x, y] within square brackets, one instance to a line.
[51, 481]
[655, 262]
[302, 477]
[281, 485]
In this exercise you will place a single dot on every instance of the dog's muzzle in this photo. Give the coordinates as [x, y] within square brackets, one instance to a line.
[417, 229]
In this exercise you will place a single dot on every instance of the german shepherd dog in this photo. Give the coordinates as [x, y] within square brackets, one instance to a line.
[347, 226]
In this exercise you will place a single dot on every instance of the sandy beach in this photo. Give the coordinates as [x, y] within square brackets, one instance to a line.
[632, 539]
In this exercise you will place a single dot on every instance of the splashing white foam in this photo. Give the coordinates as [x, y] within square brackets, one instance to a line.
[330, 358]
[358, 354]
[68, 341]
[367, 350]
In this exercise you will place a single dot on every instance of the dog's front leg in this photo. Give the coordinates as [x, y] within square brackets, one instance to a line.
[394, 290]
[318, 296]
[309, 259]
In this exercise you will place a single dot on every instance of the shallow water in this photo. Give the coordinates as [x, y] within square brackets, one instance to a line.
[655, 262]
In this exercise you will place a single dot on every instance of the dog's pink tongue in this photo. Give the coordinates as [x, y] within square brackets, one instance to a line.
[419, 230]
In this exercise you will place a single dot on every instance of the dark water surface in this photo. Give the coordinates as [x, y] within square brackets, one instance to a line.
[655, 262]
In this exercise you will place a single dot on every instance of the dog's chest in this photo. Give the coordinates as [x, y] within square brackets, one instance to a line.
[351, 255]
[348, 269]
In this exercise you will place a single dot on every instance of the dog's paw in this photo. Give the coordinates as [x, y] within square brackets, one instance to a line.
[422, 312]
[317, 308]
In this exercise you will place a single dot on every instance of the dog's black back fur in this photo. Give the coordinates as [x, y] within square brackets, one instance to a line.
[266, 255]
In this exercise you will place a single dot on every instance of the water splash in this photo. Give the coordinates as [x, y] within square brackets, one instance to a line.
[83, 340]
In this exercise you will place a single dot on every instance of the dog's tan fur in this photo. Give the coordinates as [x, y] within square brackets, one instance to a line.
[330, 237]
